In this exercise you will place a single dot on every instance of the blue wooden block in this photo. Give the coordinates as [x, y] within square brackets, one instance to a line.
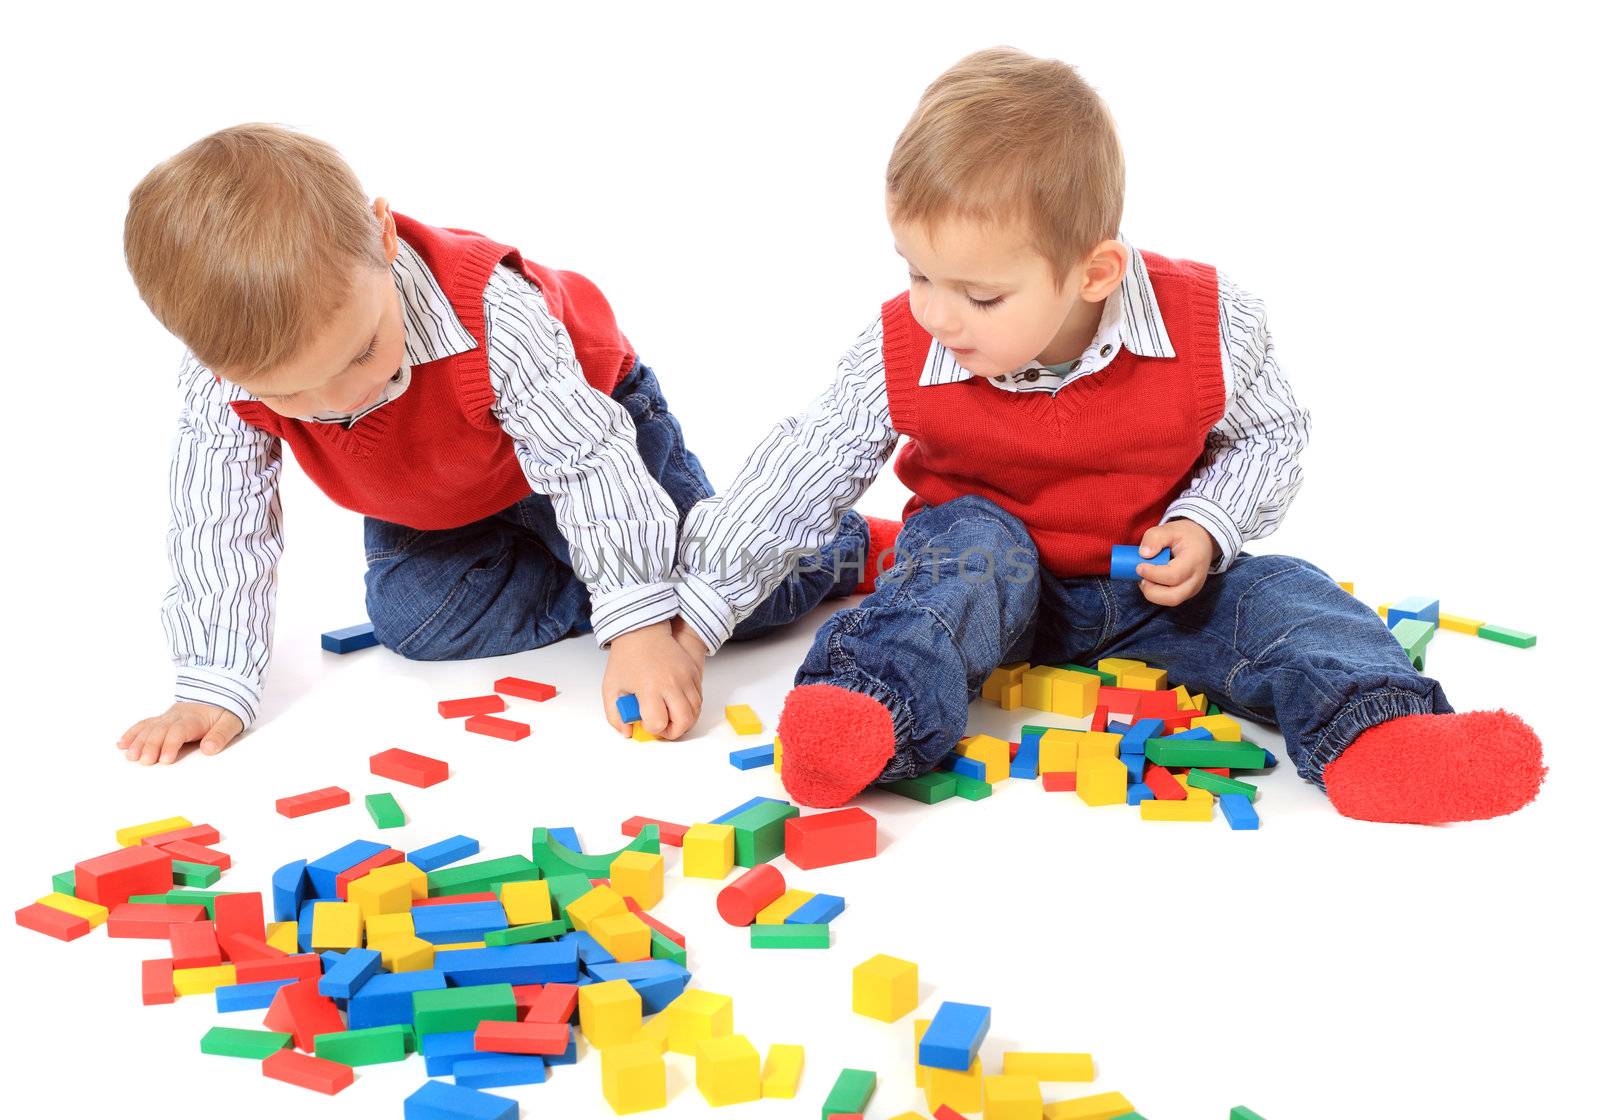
[451, 922]
[350, 639]
[439, 1100]
[1240, 813]
[1191, 733]
[303, 924]
[324, 872]
[1135, 765]
[449, 851]
[657, 982]
[567, 1057]
[752, 757]
[966, 767]
[952, 1039]
[492, 1070]
[628, 707]
[751, 804]
[1125, 561]
[288, 891]
[386, 998]
[818, 911]
[353, 969]
[1117, 727]
[1415, 606]
[1134, 739]
[568, 837]
[441, 1051]
[249, 997]
[1140, 792]
[1025, 764]
[590, 951]
[1271, 759]
[538, 962]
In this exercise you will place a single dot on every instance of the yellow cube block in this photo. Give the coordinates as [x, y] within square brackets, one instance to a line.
[727, 1070]
[335, 925]
[996, 683]
[655, 1032]
[1199, 702]
[1012, 1097]
[1074, 694]
[1143, 678]
[962, 1091]
[68, 904]
[633, 1077]
[284, 936]
[708, 851]
[995, 754]
[1038, 685]
[1383, 610]
[919, 1027]
[202, 981]
[1224, 729]
[1116, 666]
[639, 876]
[623, 935]
[1195, 807]
[378, 893]
[780, 1077]
[1459, 624]
[696, 1015]
[1058, 751]
[528, 903]
[134, 833]
[1101, 1106]
[1103, 782]
[405, 954]
[884, 988]
[743, 718]
[1011, 697]
[1349, 586]
[787, 903]
[1049, 1066]
[1098, 746]
[387, 927]
[594, 904]
[640, 735]
[609, 1013]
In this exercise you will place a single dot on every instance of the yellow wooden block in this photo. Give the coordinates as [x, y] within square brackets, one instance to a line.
[1012, 1097]
[527, 903]
[1101, 1106]
[1049, 1066]
[202, 981]
[1198, 702]
[405, 953]
[1383, 610]
[777, 755]
[995, 684]
[695, 1016]
[1098, 746]
[633, 1077]
[1117, 665]
[461, 945]
[284, 936]
[1074, 694]
[1459, 624]
[1195, 807]
[1350, 588]
[1102, 782]
[386, 927]
[919, 1027]
[708, 851]
[994, 753]
[1143, 678]
[962, 1091]
[655, 1032]
[743, 718]
[884, 988]
[378, 894]
[780, 1077]
[727, 1070]
[594, 904]
[788, 902]
[335, 925]
[1038, 683]
[623, 935]
[403, 872]
[1058, 751]
[640, 735]
[1224, 729]
[67, 904]
[609, 1013]
[1011, 697]
[134, 833]
[639, 876]
[1185, 701]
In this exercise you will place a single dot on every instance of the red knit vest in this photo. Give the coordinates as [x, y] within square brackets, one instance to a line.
[1092, 465]
[435, 457]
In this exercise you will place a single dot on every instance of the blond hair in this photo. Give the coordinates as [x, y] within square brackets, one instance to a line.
[1002, 136]
[245, 243]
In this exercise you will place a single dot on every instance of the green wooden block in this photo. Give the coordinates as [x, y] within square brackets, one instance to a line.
[663, 948]
[186, 874]
[234, 1042]
[1240, 1112]
[758, 832]
[521, 935]
[789, 937]
[385, 811]
[461, 1009]
[471, 878]
[1213, 710]
[971, 788]
[1204, 752]
[555, 858]
[1216, 783]
[567, 889]
[930, 789]
[1105, 678]
[367, 1047]
[208, 899]
[65, 883]
[1129, 1116]
[850, 1093]
[1414, 634]
[1507, 636]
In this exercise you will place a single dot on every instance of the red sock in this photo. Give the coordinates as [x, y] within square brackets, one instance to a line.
[881, 536]
[1432, 769]
[835, 742]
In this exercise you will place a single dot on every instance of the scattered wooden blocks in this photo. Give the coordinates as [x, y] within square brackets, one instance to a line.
[384, 810]
[507, 729]
[524, 689]
[471, 706]
[404, 766]
[314, 802]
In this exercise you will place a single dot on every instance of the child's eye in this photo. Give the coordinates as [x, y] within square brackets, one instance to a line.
[986, 303]
[916, 279]
[371, 350]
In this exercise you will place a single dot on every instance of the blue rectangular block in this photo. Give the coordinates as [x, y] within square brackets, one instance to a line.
[1414, 606]
[302, 929]
[628, 707]
[1135, 765]
[539, 962]
[1192, 733]
[324, 872]
[444, 852]
[1025, 763]
[966, 767]
[952, 1039]
[1271, 759]
[751, 757]
[452, 922]
[1240, 813]
[567, 838]
[492, 1070]
[657, 982]
[248, 997]
[288, 891]
[342, 979]
[1134, 739]
[386, 998]
[567, 1057]
[819, 911]
[1140, 792]
[751, 804]
[590, 951]
[439, 1100]
[350, 639]
[441, 1051]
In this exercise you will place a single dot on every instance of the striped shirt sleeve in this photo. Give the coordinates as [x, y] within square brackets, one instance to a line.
[1250, 470]
[789, 497]
[223, 543]
[579, 447]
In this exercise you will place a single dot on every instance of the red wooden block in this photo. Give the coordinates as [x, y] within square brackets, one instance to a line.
[52, 922]
[314, 802]
[112, 878]
[405, 766]
[447, 899]
[155, 982]
[1101, 716]
[301, 966]
[1064, 781]
[242, 947]
[298, 1010]
[525, 994]
[240, 914]
[945, 1112]
[150, 919]
[194, 945]
[524, 689]
[741, 900]
[195, 834]
[1219, 771]
[508, 729]
[349, 875]
[522, 1038]
[190, 852]
[671, 834]
[307, 1071]
[824, 839]
[1171, 725]
[554, 1005]
[664, 930]
[471, 706]
[1015, 747]
[1162, 783]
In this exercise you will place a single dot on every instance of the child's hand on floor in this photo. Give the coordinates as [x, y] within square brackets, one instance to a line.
[685, 636]
[651, 664]
[1193, 550]
[159, 738]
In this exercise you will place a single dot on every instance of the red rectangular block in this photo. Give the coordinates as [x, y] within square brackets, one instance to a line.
[240, 914]
[195, 834]
[471, 706]
[301, 966]
[194, 945]
[406, 766]
[1101, 717]
[671, 834]
[1064, 781]
[525, 994]
[150, 919]
[241, 948]
[112, 878]
[447, 899]
[945, 1112]
[554, 1005]
[1163, 784]
[1219, 771]
[343, 880]
[824, 839]
[52, 922]
[314, 802]
[508, 729]
[307, 1071]
[155, 982]
[190, 852]
[299, 1010]
[522, 1038]
[524, 689]
[662, 928]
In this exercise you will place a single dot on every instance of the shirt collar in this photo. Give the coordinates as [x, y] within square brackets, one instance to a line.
[1130, 317]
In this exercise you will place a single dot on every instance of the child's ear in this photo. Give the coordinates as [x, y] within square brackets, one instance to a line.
[391, 238]
[1108, 264]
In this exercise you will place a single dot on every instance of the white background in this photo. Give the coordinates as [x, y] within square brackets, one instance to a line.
[1408, 190]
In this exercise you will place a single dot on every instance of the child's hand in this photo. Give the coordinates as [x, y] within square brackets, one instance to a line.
[685, 636]
[1193, 550]
[159, 738]
[650, 663]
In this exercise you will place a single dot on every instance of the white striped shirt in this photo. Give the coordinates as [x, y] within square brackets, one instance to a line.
[788, 499]
[575, 444]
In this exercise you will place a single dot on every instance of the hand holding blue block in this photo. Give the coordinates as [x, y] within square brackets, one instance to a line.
[628, 707]
[1125, 560]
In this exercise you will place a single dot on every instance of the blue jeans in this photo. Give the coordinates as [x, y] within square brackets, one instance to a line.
[1272, 639]
[505, 584]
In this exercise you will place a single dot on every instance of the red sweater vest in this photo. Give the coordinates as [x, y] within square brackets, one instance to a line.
[1092, 465]
[435, 457]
